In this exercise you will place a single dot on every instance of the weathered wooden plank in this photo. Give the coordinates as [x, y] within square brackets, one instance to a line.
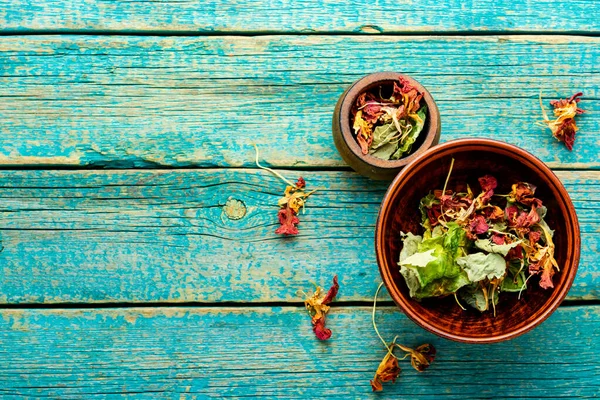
[183, 101]
[325, 16]
[163, 235]
[223, 352]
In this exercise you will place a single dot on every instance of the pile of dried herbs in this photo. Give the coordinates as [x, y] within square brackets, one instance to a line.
[563, 127]
[475, 247]
[387, 126]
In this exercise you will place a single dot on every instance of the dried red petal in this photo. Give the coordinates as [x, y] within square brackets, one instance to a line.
[546, 274]
[361, 100]
[372, 112]
[434, 213]
[301, 183]
[450, 202]
[498, 239]
[565, 102]
[511, 214]
[566, 132]
[523, 193]
[488, 184]
[534, 237]
[546, 278]
[515, 253]
[333, 291]
[288, 220]
[428, 352]
[526, 220]
[364, 143]
[319, 329]
[477, 226]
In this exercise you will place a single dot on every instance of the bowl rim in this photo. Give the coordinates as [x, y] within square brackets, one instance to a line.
[521, 155]
[367, 82]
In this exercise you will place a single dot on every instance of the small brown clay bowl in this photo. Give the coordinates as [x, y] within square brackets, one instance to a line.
[473, 159]
[345, 141]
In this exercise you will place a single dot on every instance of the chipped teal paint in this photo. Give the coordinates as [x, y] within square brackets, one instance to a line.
[272, 352]
[160, 235]
[298, 16]
[202, 101]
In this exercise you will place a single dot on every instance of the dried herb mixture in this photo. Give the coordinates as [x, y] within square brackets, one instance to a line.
[477, 246]
[387, 127]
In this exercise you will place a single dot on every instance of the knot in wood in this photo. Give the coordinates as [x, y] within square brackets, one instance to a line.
[234, 209]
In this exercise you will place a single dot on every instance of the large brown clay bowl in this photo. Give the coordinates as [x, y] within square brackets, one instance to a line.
[473, 159]
[343, 135]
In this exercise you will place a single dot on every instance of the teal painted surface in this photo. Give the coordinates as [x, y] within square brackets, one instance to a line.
[162, 235]
[272, 352]
[202, 101]
[293, 16]
[141, 236]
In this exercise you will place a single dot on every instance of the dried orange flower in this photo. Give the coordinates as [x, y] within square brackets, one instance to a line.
[563, 127]
[318, 306]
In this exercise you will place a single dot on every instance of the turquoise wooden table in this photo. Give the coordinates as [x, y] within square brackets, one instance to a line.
[128, 125]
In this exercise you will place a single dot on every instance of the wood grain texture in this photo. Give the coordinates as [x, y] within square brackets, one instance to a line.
[183, 101]
[298, 16]
[272, 352]
[163, 236]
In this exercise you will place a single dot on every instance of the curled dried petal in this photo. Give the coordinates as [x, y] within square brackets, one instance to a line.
[421, 357]
[301, 184]
[547, 272]
[319, 329]
[493, 213]
[388, 370]
[488, 184]
[333, 291]
[523, 193]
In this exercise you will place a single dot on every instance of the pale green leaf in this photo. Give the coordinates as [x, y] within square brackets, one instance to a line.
[491, 247]
[411, 137]
[410, 244]
[479, 266]
[420, 259]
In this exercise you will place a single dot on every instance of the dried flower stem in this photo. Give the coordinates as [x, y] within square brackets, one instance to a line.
[277, 174]
[544, 114]
[389, 348]
[444, 190]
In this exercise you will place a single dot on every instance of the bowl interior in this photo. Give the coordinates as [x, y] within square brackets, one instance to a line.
[400, 212]
[386, 91]
[428, 137]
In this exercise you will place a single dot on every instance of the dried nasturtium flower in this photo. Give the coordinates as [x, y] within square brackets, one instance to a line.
[388, 369]
[318, 306]
[290, 204]
[563, 127]
[421, 357]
